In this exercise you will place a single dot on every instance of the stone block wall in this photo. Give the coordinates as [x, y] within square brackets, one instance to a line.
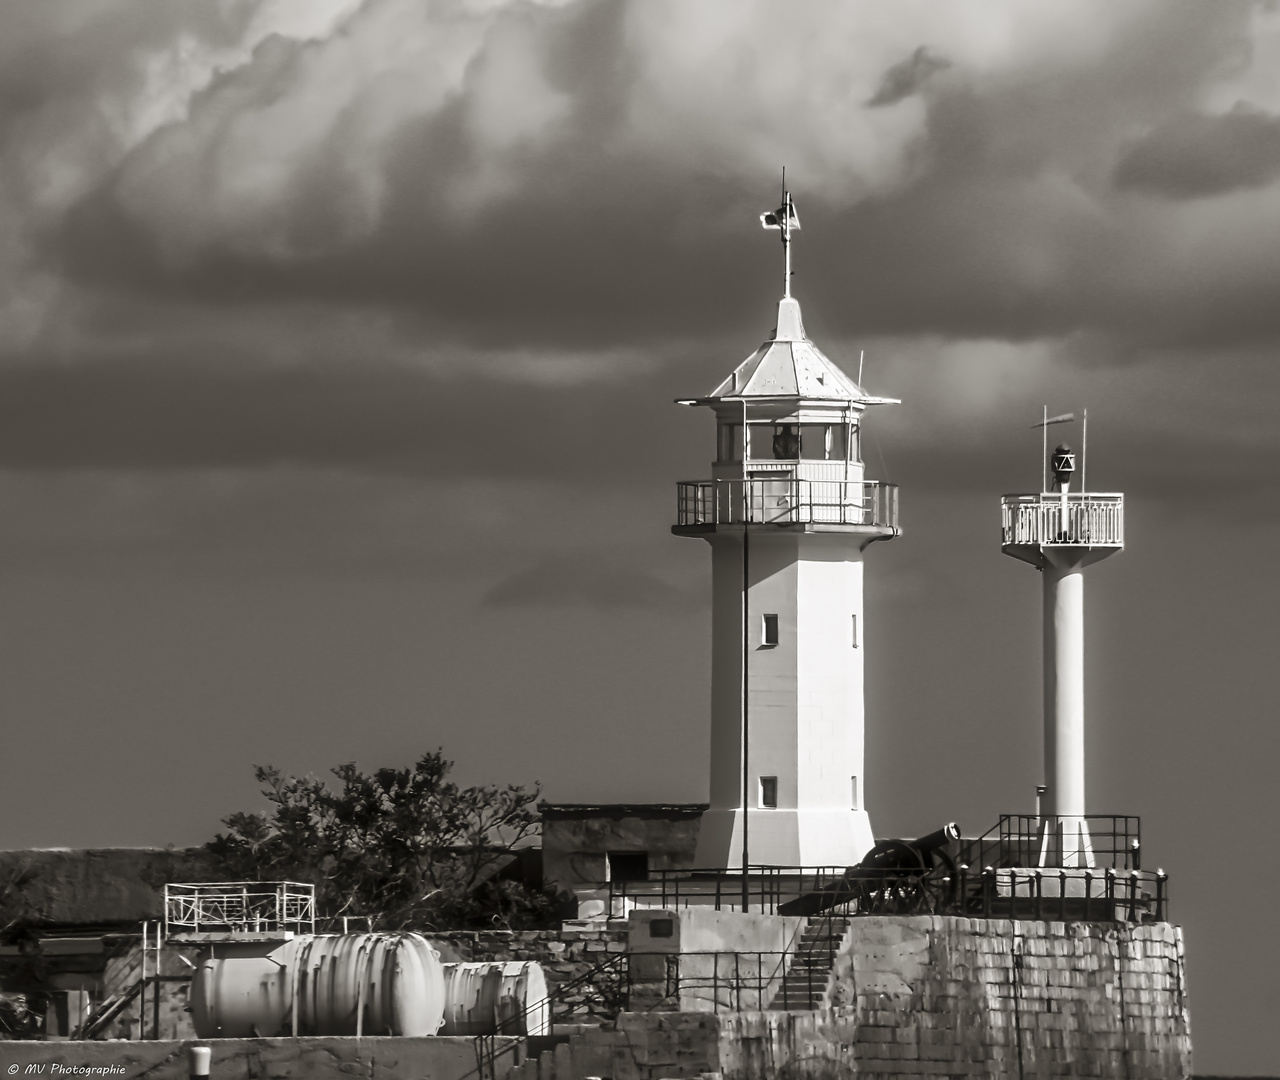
[1015, 998]
[931, 997]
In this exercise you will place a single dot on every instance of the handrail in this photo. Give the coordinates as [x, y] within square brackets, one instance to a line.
[1089, 519]
[486, 1049]
[786, 501]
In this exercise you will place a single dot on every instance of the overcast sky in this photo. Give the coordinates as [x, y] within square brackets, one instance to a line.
[338, 342]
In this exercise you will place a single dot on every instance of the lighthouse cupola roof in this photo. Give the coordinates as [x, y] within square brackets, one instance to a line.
[788, 365]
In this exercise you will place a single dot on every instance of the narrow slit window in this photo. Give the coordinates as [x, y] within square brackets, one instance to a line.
[769, 630]
[855, 631]
[854, 792]
[769, 792]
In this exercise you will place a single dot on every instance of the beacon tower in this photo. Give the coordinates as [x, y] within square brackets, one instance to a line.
[789, 514]
[1060, 532]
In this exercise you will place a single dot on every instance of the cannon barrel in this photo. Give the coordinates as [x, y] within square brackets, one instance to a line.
[939, 838]
[868, 874]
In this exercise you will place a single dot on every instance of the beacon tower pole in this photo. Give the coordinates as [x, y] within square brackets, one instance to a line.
[1060, 533]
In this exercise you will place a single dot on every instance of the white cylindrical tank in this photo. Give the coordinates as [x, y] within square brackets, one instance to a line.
[496, 998]
[336, 984]
[242, 991]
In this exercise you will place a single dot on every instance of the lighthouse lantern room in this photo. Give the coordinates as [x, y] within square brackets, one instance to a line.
[789, 514]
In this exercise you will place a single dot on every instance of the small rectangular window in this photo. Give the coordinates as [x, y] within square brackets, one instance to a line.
[760, 442]
[769, 630]
[855, 631]
[662, 928]
[628, 865]
[813, 441]
[836, 442]
[769, 792]
[854, 785]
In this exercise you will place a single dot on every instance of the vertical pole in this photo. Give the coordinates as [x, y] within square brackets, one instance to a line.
[142, 993]
[848, 449]
[1064, 712]
[746, 652]
[786, 246]
[1044, 450]
[746, 693]
[1084, 455]
[155, 996]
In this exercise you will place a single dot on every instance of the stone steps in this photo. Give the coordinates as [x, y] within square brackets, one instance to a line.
[805, 982]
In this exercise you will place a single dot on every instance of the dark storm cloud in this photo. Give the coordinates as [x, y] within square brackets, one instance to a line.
[907, 77]
[552, 191]
[1195, 156]
[565, 180]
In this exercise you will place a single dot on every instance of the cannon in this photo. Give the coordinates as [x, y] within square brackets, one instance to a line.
[895, 877]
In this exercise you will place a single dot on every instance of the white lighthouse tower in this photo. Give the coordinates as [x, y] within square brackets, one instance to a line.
[788, 514]
[1060, 532]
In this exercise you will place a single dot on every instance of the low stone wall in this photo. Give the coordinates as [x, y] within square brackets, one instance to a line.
[331, 1058]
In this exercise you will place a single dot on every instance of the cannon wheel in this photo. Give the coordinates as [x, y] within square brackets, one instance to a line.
[940, 887]
[897, 890]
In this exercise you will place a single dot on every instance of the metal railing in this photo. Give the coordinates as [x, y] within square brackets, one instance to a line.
[768, 887]
[1115, 841]
[606, 986]
[722, 981]
[239, 906]
[870, 503]
[1086, 519]
[1067, 894]
[994, 876]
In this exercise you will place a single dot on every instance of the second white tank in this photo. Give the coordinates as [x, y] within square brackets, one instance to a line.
[496, 998]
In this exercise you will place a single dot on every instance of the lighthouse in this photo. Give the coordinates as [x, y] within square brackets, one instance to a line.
[789, 514]
[1060, 532]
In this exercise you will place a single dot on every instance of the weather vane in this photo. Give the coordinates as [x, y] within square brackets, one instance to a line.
[784, 219]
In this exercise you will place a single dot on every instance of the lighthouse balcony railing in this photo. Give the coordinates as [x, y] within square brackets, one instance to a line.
[1087, 519]
[870, 503]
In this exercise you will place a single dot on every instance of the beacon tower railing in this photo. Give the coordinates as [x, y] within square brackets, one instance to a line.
[1086, 519]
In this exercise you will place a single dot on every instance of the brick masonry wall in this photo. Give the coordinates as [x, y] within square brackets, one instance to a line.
[568, 956]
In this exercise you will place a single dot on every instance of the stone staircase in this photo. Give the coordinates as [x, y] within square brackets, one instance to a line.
[805, 982]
